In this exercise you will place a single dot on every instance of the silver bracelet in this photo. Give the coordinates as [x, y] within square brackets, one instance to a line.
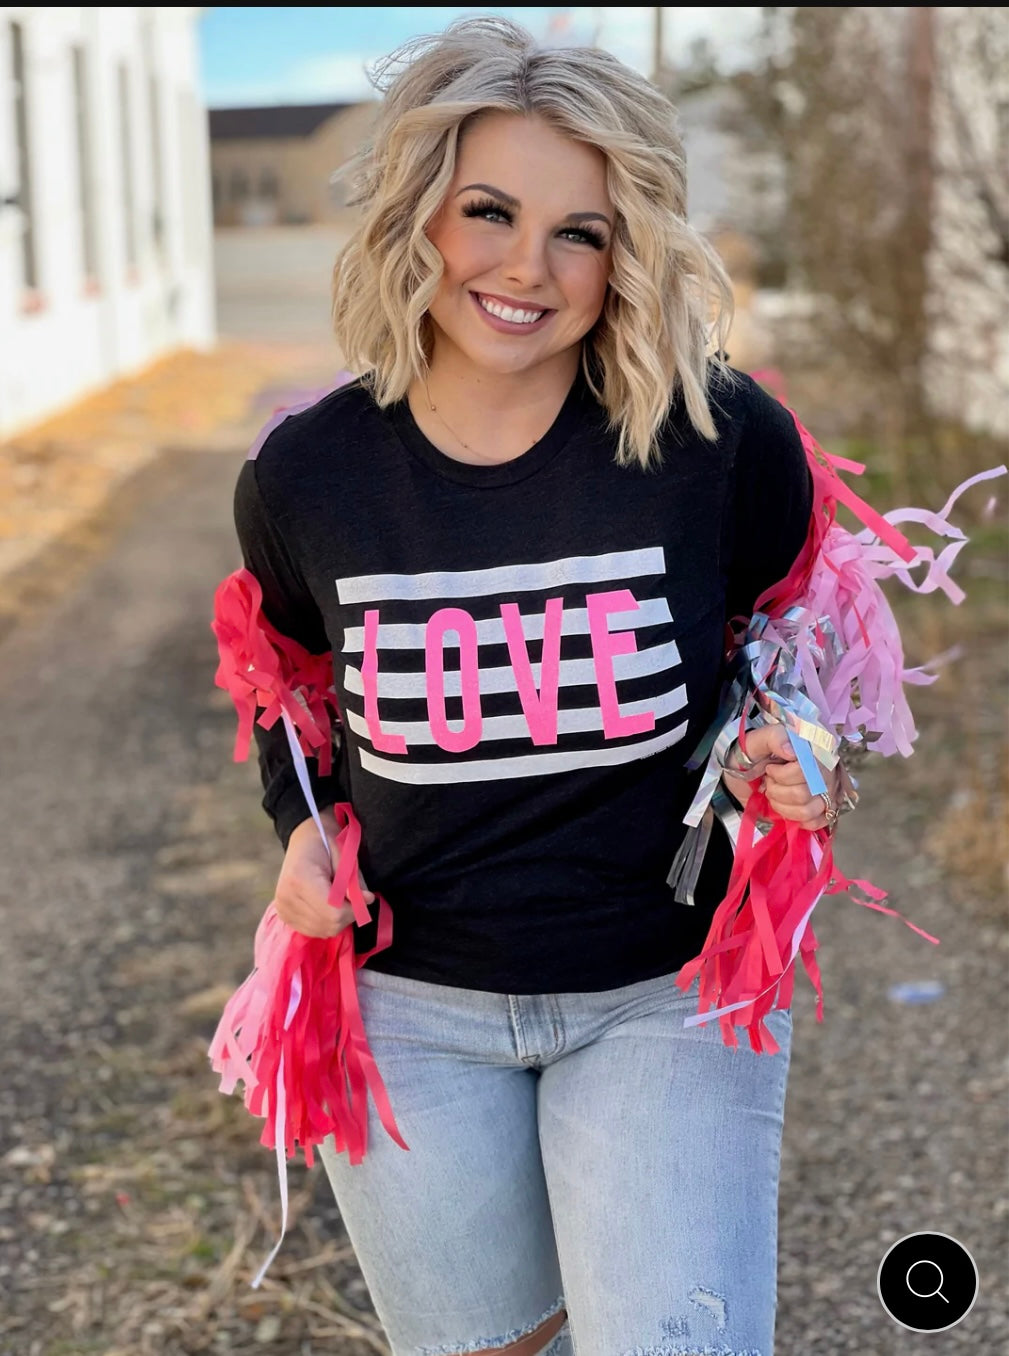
[737, 763]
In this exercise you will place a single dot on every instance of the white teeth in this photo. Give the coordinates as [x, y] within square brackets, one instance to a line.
[509, 313]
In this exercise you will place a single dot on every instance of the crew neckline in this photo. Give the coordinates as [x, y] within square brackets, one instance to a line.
[511, 472]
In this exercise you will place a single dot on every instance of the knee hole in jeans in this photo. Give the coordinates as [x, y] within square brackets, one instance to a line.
[532, 1344]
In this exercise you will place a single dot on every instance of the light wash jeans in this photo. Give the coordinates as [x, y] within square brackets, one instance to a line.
[578, 1151]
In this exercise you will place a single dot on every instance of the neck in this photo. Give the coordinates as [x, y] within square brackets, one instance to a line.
[487, 417]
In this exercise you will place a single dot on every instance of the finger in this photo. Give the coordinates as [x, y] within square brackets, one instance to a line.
[800, 809]
[795, 802]
[795, 795]
[312, 887]
[779, 745]
[788, 781]
[311, 920]
[808, 822]
[768, 741]
[325, 916]
[334, 848]
[786, 774]
[303, 892]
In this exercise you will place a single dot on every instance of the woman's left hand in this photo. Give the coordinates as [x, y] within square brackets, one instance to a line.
[783, 782]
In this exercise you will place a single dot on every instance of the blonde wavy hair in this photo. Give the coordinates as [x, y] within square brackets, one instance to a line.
[669, 303]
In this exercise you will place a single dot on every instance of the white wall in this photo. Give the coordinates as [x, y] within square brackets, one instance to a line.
[74, 334]
[969, 303]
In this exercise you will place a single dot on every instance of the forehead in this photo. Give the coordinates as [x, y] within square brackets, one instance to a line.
[511, 151]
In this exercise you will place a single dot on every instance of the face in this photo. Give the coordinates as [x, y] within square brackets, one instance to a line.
[525, 232]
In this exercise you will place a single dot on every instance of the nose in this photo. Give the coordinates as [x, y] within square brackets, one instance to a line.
[527, 264]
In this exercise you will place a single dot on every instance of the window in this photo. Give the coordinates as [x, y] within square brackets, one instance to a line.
[239, 185]
[126, 155]
[85, 180]
[29, 262]
[268, 184]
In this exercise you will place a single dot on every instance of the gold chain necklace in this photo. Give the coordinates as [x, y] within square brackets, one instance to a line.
[462, 441]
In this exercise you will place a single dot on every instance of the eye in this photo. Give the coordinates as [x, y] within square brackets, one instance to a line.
[487, 209]
[585, 235]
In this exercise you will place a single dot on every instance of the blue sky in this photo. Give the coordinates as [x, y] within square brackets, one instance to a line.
[313, 54]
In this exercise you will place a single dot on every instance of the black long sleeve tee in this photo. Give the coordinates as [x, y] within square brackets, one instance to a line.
[525, 656]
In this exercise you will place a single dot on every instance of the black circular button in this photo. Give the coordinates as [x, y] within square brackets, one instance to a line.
[927, 1282]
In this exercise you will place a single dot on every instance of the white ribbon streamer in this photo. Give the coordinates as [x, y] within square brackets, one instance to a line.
[279, 1091]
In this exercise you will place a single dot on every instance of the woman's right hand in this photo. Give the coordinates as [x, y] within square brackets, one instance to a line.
[302, 897]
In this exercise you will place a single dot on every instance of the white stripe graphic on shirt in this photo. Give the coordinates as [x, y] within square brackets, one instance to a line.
[490, 631]
[527, 765]
[442, 647]
[573, 673]
[580, 720]
[504, 579]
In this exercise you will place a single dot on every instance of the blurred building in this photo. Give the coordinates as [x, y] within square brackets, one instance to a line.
[735, 184]
[736, 195]
[105, 224]
[274, 165]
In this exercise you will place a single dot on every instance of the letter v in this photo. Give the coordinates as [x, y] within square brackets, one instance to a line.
[539, 708]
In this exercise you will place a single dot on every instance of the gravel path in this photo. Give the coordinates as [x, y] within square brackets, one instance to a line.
[135, 1201]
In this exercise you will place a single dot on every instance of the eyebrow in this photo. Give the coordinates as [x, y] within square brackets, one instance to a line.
[509, 201]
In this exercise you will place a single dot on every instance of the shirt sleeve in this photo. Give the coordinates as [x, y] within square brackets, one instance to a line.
[771, 499]
[290, 607]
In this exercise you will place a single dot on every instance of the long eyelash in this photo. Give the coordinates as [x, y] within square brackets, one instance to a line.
[480, 206]
[591, 237]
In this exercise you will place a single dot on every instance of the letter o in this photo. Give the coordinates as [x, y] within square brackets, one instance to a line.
[458, 620]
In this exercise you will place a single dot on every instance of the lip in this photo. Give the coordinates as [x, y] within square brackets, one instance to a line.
[511, 326]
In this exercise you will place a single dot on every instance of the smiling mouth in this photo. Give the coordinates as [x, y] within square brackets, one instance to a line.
[511, 314]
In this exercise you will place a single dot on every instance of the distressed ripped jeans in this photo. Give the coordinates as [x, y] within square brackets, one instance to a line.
[567, 1151]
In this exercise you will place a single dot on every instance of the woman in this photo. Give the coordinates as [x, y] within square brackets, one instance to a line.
[522, 534]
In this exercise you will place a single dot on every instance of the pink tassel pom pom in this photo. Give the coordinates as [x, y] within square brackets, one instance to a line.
[261, 669]
[297, 1015]
[746, 966]
[293, 1033]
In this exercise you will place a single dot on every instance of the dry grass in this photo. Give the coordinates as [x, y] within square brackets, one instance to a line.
[153, 1211]
[972, 838]
[181, 1206]
[60, 479]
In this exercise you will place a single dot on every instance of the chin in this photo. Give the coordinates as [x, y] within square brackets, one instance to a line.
[507, 359]
[503, 365]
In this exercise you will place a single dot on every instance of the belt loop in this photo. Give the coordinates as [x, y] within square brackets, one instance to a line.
[518, 1029]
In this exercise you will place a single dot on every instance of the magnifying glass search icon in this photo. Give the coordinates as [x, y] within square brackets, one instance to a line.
[920, 1266]
[925, 1294]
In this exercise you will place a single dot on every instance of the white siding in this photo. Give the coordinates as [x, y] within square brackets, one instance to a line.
[968, 377]
[70, 338]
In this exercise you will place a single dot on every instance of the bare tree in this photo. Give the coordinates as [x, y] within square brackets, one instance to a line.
[892, 124]
[845, 97]
[972, 91]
